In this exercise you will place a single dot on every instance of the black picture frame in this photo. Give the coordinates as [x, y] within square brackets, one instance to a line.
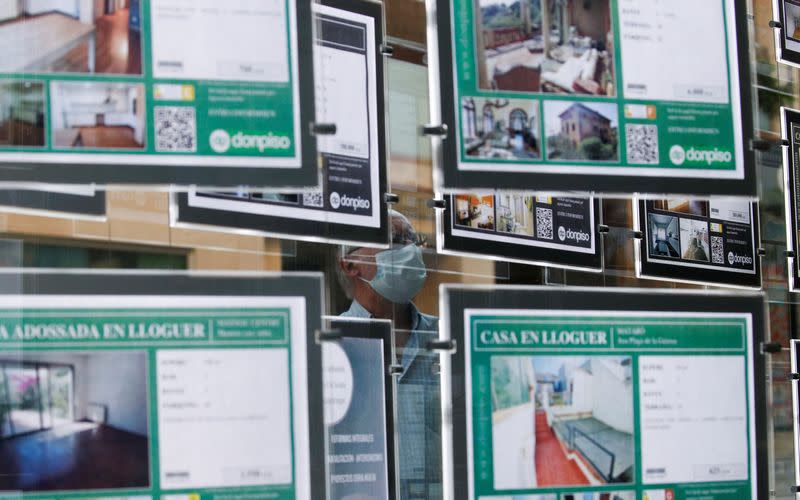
[165, 173]
[456, 299]
[454, 180]
[308, 286]
[93, 205]
[784, 54]
[300, 228]
[520, 253]
[674, 271]
[790, 118]
[377, 330]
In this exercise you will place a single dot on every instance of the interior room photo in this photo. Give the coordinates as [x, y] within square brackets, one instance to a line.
[562, 421]
[104, 115]
[70, 36]
[504, 129]
[694, 240]
[475, 211]
[564, 47]
[515, 214]
[22, 113]
[683, 206]
[664, 236]
[74, 421]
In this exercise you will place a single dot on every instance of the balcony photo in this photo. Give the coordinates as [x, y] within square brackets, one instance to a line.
[562, 421]
[70, 36]
[97, 115]
[501, 129]
[554, 46]
[581, 131]
[72, 420]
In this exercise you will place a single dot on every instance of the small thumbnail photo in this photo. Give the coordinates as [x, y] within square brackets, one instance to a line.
[501, 129]
[664, 236]
[97, 115]
[474, 211]
[581, 131]
[22, 113]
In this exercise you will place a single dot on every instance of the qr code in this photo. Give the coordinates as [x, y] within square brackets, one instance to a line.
[313, 199]
[717, 253]
[176, 129]
[642, 144]
[544, 223]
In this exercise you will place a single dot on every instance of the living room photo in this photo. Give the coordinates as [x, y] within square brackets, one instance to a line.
[74, 421]
[563, 47]
[70, 36]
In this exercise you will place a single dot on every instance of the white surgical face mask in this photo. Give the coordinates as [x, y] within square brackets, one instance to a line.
[400, 274]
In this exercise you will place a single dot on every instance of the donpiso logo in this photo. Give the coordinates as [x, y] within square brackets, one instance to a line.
[677, 154]
[739, 259]
[569, 234]
[345, 201]
[335, 200]
[220, 141]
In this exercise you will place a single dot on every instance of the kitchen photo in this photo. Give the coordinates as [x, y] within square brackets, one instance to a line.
[71, 36]
[97, 115]
[474, 211]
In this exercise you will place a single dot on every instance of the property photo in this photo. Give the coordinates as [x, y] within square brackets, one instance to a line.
[694, 240]
[97, 115]
[683, 206]
[612, 495]
[22, 113]
[581, 131]
[74, 421]
[502, 129]
[564, 47]
[474, 211]
[71, 36]
[664, 236]
[791, 10]
[515, 214]
[561, 421]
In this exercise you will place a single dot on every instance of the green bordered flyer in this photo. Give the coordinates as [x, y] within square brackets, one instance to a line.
[580, 394]
[160, 386]
[158, 92]
[613, 96]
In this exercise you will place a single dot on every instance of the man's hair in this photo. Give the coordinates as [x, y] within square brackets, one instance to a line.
[402, 233]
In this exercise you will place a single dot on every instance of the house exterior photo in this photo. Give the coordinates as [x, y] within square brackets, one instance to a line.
[578, 122]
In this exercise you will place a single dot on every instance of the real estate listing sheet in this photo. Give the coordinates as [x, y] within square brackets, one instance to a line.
[167, 395]
[565, 395]
[705, 241]
[581, 95]
[359, 415]
[551, 230]
[68, 200]
[349, 92]
[790, 132]
[159, 83]
[787, 35]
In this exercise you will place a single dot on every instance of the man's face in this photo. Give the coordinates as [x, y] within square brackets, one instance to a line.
[361, 261]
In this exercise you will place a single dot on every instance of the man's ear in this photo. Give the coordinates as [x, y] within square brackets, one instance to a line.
[349, 267]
